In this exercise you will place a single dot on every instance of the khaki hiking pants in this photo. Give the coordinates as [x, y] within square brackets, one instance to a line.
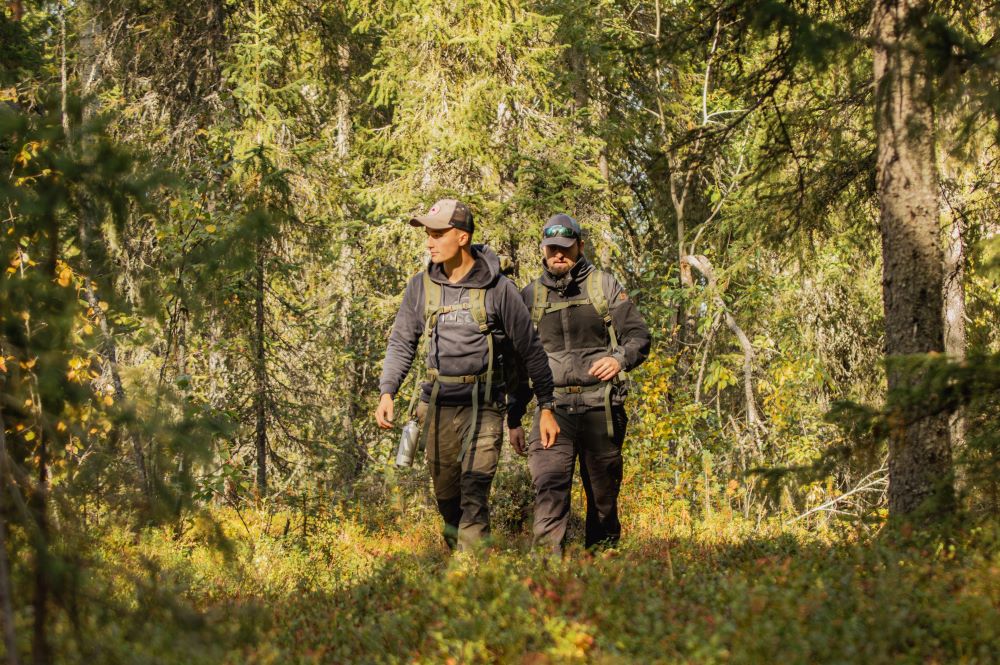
[462, 489]
[582, 435]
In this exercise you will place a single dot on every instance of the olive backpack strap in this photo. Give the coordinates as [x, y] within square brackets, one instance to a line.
[598, 298]
[433, 293]
[432, 303]
[477, 307]
[539, 302]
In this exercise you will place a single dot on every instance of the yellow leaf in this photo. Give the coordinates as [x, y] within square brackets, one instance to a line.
[103, 305]
[3, 365]
[65, 275]
[29, 364]
[28, 403]
[87, 329]
[30, 436]
[108, 401]
[27, 152]
[61, 426]
[210, 228]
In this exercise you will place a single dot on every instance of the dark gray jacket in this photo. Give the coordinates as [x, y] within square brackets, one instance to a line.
[575, 337]
[457, 346]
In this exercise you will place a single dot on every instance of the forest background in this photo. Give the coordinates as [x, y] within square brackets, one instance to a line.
[204, 243]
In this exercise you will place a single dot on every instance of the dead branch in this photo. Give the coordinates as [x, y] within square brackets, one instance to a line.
[704, 266]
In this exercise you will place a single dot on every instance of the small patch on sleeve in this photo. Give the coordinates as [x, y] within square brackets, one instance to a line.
[623, 296]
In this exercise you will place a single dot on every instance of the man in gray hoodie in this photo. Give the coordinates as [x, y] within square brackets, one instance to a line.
[469, 315]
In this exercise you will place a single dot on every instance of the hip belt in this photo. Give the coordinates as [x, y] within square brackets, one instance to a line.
[436, 379]
[606, 387]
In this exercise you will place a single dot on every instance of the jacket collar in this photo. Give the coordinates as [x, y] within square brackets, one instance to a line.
[562, 283]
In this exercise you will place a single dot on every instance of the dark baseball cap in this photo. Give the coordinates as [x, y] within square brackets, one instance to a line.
[562, 231]
[445, 214]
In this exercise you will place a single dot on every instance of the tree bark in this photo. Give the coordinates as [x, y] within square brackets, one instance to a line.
[344, 275]
[9, 638]
[16, 8]
[40, 651]
[343, 103]
[260, 373]
[954, 321]
[919, 447]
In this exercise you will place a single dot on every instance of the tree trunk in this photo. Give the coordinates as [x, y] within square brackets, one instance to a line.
[954, 322]
[919, 448]
[181, 345]
[344, 275]
[343, 104]
[6, 605]
[680, 188]
[260, 373]
[40, 652]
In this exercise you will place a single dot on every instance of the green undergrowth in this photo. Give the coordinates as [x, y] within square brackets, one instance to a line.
[371, 586]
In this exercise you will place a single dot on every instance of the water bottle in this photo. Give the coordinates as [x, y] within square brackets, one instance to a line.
[407, 444]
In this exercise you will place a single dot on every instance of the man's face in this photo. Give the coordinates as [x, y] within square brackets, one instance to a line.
[561, 259]
[446, 244]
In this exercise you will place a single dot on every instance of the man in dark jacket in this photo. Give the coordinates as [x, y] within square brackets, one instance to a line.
[592, 333]
[469, 314]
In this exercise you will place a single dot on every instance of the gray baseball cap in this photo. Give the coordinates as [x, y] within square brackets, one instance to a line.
[445, 214]
[562, 231]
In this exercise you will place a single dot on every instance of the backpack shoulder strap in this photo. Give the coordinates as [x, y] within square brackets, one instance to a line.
[595, 292]
[539, 302]
[477, 307]
[598, 298]
[432, 302]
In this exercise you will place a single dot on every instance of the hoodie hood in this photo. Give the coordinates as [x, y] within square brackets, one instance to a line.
[576, 275]
[484, 272]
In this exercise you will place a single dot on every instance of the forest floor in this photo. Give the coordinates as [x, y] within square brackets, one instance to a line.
[372, 584]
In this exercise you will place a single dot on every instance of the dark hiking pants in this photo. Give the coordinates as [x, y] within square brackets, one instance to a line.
[582, 435]
[462, 489]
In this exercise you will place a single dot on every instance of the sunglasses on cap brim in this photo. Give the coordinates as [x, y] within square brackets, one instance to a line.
[559, 232]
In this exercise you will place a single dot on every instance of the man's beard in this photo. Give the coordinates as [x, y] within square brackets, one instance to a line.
[559, 271]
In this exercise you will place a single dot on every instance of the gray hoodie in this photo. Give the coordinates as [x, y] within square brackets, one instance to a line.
[457, 346]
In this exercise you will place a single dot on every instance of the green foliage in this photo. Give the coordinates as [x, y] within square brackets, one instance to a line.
[718, 594]
[143, 326]
[512, 500]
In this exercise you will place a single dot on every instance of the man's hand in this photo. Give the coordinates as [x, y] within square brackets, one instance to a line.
[517, 441]
[547, 427]
[383, 412]
[605, 369]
